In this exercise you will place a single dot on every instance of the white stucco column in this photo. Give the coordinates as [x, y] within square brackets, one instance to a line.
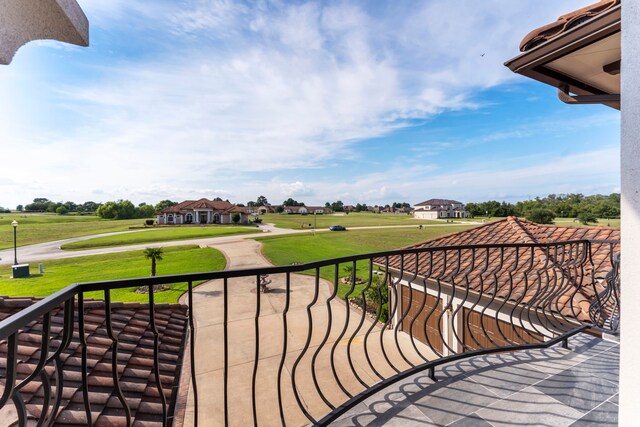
[630, 225]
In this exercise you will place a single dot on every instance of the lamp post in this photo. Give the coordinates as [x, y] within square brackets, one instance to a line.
[15, 246]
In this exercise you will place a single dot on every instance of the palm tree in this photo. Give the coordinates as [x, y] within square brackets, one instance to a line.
[154, 254]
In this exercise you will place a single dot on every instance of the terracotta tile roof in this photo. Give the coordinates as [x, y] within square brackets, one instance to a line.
[565, 23]
[130, 322]
[216, 205]
[439, 202]
[514, 230]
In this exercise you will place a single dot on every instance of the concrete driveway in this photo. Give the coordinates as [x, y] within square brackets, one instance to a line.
[242, 302]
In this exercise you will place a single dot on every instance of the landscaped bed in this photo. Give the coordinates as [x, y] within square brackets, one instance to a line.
[63, 272]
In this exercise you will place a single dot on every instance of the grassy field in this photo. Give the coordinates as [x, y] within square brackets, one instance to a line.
[40, 228]
[63, 272]
[602, 222]
[285, 250]
[158, 235]
[356, 219]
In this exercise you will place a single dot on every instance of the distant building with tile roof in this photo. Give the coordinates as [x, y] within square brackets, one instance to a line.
[440, 208]
[131, 326]
[203, 211]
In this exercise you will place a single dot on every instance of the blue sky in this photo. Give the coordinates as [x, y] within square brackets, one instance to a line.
[366, 102]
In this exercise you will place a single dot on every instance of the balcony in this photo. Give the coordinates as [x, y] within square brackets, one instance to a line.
[443, 335]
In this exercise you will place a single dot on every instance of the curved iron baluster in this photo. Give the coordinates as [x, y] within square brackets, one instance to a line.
[83, 360]
[336, 282]
[344, 330]
[404, 314]
[306, 347]
[424, 300]
[505, 300]
[67, 334]
[608, 297]
[376, 320]
[323, 342]
[156, 358]
[356, 330]
[192, 354]
[390, 314]
[257, 353]
[114, 357]
[284, 345]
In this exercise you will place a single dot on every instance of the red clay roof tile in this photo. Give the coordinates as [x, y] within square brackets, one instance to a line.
[135, 363]
[565, 23]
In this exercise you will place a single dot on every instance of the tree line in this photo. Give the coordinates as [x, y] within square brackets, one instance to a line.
[561, 205]
[120, 209]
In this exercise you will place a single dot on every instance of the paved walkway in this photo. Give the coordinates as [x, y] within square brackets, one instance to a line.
[242, 298]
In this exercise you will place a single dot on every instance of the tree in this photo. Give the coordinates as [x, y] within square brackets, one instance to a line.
[291, 202]
[261, 201]
[62, 210]
[236, 218]
[145, 211]
[337, 206]
[90, 206]
[163, 204]
[107, 211]
[587, 218]
[19, 208]
[154, 254]
[541, 216]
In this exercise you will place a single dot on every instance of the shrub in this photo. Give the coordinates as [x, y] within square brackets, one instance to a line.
[374, 299]
[541, 216]
[586, 218]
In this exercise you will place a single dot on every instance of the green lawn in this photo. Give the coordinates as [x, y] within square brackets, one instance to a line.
[159, 235]
[38, 228]
[356, 219]
[302, 248]
[602, 222]
[63, 272]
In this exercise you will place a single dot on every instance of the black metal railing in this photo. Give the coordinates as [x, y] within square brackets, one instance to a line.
[302, 343]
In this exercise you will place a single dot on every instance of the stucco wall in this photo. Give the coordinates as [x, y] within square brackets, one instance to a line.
[630, 228]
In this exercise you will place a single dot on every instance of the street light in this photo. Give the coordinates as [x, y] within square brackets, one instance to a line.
[15, 246]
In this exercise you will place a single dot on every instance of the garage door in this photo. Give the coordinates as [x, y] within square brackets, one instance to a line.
[515, 334]
[419, 312]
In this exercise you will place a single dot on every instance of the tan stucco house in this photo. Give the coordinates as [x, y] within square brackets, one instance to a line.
[203, 211]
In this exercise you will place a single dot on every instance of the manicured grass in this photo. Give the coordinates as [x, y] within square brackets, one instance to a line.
[63, 272]
[302, 248]
[602, 222]
[355, 219]
[39, 228]
[159, 235]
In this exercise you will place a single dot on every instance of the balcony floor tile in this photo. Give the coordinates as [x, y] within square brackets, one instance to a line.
[553, 387]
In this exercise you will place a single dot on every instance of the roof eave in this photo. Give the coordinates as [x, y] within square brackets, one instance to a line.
[532, 62]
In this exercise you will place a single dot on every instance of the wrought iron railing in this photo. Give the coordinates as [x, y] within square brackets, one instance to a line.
[304, 343]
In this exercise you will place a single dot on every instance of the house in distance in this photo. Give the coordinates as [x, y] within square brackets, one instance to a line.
[440, 208]
[203, 211]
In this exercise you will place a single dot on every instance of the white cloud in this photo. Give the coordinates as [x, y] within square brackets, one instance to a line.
[236, 89]
[295, 189]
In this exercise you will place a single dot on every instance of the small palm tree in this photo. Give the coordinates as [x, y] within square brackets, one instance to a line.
[154, 254]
